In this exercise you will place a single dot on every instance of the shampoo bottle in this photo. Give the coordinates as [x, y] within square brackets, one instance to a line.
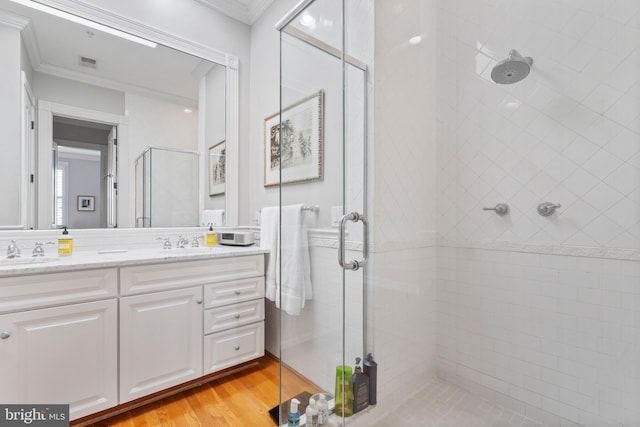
[344, 392]
[311, 414]
[360, 388]
[212, 237]
[65, 243]
[371, 369]
[294, 413]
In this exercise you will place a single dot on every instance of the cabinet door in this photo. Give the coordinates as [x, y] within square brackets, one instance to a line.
[64, 354]
[160, 341]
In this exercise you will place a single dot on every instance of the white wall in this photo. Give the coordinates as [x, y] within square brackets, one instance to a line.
[84, 180]
[540, 313]
[10, 93]
[69, 92]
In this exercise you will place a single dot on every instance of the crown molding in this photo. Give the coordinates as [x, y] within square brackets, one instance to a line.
[247, 12]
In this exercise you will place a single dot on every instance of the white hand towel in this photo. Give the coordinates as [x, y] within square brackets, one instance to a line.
[269, 218]
[212, 216]
[288, 250]
[295, 264]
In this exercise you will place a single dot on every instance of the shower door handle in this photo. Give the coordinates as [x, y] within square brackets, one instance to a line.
[353, 265]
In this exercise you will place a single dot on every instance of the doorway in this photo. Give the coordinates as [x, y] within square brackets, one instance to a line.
[91, 132]
[81, 167]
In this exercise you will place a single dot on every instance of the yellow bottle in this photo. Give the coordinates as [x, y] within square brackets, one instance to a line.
[212, 237]
[65, 244]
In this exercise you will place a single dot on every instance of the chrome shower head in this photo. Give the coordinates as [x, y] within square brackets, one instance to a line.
[513, 69]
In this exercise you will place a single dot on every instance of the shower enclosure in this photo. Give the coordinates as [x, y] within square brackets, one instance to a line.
[317, 150]
[505, 210]
[166, 188]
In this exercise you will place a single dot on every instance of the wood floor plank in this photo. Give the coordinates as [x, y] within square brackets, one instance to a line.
[237, 400]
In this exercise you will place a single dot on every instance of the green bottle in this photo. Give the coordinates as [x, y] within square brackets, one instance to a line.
[344, 391]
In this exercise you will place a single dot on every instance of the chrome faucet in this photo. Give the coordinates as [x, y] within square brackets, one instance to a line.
[13, 251]
[195, 243]
[182, 241]
[39, 249]
[167, 242]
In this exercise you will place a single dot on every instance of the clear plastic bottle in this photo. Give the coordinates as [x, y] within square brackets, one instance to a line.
[323, 410]
[311, 414]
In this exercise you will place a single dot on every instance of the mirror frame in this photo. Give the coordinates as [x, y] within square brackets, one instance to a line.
[232, 108]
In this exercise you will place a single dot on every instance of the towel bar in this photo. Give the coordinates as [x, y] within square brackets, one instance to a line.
[315, 208]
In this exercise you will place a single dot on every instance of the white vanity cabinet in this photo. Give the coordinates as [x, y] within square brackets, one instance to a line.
[161, 320]
[66, 352]
[97, 338]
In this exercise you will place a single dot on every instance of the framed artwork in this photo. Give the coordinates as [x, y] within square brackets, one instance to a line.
[302, 139]
[217, 174]
[86, 203]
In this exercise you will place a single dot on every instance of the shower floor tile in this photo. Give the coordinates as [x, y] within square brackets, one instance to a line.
[440, 404]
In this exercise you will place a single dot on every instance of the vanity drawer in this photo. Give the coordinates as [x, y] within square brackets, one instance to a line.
[156, 277]
[225, 349]
[231, 316]
[45, 290]
[219, 294]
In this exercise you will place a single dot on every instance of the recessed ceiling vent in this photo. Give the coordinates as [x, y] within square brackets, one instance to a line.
[88, 62]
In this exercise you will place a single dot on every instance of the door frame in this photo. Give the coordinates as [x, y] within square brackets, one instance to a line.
[46, 111]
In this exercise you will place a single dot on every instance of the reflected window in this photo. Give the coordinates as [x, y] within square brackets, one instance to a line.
[62, 171]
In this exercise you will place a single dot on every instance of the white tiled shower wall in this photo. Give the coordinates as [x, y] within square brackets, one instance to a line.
[568, 133]
[541, 314]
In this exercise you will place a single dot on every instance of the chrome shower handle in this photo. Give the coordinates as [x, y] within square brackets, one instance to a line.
[501, 209]
[548, 208]
[353, 265]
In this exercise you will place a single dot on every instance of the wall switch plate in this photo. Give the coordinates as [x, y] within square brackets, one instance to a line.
[336, 214]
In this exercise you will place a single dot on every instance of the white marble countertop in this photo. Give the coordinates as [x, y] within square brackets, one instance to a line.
[83, 260]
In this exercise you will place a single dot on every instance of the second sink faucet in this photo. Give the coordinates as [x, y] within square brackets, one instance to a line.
[13, 251]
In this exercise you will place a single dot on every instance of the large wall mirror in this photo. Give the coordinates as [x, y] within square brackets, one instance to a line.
[107, 130]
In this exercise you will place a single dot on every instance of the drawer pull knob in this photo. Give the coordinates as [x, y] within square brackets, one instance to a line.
[237, 315]
[237, 347]
[198, 301]
[237, 292]
[5, 334]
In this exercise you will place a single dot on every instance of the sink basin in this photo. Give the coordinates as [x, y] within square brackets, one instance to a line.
[190, 250]
[8, 262]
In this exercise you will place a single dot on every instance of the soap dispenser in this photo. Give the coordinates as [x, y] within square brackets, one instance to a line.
[212, 237]
[360, 388]
[294, 413]
[65, 243]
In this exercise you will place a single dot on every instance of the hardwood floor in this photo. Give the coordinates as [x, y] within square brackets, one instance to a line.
[238, 400]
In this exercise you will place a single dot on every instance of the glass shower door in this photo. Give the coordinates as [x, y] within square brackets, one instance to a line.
[317, 157]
